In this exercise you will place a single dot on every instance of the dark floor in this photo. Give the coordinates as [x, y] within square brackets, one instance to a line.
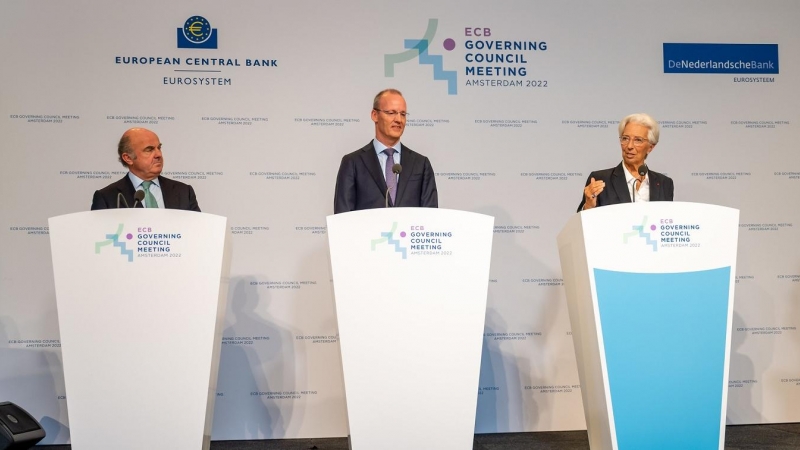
[740, 437]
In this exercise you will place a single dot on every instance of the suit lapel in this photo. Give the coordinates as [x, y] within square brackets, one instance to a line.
[656, 190]
[407, 160]
[373, 165]
[620, 184]
[125, 187]
[167, 193]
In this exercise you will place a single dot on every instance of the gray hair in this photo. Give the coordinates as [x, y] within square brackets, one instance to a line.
[377, 99]
[124, 146]
[645, 120]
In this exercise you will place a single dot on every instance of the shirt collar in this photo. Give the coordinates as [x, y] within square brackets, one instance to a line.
[629, 177]
[138, 181]
[379, 147]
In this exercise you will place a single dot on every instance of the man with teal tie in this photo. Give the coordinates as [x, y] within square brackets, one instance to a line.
[139, 151]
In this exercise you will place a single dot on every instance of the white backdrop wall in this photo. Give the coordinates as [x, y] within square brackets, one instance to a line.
[263, 148]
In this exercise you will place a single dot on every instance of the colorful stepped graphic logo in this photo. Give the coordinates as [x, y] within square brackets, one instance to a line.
[114, 239]
[418, 48]
[638, 231]
[388, 237]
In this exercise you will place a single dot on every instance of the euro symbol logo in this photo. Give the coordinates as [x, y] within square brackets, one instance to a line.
[196, 29]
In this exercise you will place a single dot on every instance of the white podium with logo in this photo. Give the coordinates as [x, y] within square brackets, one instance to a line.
[141, 299]
[410, 287]
[650, 293]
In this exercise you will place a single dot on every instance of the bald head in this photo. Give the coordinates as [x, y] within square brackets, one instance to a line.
[125, 147]
[139, 150]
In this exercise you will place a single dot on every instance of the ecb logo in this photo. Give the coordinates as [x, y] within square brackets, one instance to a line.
[114, 240]
[638, 232]
[197, 33]
[418, 49]
[388, 238]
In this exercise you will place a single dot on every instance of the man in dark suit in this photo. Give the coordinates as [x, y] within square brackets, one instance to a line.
[139, 151]
[638, 136]
[367, 174]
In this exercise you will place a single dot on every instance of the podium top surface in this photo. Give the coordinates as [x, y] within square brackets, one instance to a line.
[124, 213]
[153, 237]
[655, 236]
[408, 213]
[658, 206]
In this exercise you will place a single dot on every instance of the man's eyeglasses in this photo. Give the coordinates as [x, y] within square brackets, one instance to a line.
[403, 114]
[637, 141]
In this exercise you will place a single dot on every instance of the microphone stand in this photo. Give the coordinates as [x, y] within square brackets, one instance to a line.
[120, 196]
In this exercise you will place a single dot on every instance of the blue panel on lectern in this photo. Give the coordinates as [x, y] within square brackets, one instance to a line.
[664, 338]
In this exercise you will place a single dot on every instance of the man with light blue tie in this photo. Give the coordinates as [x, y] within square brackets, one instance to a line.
[368, 174]
[139, 151]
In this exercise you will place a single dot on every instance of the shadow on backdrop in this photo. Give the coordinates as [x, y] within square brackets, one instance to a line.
[257, 363]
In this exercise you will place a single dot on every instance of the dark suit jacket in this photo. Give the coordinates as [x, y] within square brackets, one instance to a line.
[361, 185]
[176, 195]
[616, 190]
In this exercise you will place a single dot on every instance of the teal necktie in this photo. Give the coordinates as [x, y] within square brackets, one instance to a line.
[149, 200]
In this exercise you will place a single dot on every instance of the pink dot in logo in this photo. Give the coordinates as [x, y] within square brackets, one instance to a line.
[129, 236]
[402, 234]
[449, 44]
[653, 227]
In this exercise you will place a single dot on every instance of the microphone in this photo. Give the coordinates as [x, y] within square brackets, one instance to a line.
[642, 172]
[138, 197]
[121, 197]
[396, 169]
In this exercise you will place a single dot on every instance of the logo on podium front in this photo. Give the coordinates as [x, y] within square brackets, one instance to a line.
[145, 243]
[643, 233]
[418, 241]
[388, 238]
[664, 233]
[114, 241]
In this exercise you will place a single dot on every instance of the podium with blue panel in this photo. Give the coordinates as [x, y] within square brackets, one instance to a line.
[650, 294]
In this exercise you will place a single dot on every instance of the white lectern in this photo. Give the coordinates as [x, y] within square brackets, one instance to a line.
[141, 301]
[650, 293]
[410, 287]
